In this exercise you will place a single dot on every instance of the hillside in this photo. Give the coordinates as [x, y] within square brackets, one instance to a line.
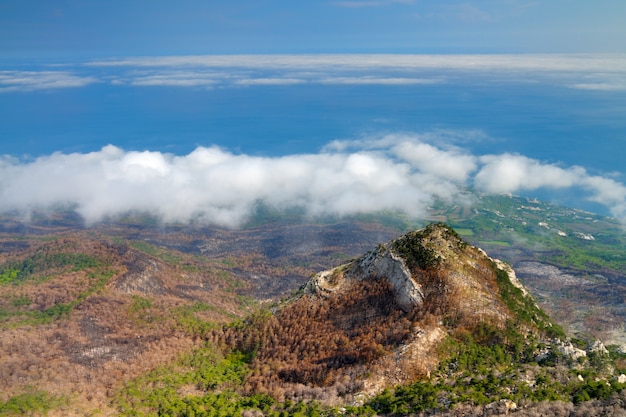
[85, 310]
[573, 261]
[425, 322]
[78, 315]
[387, 313]
[93, 320]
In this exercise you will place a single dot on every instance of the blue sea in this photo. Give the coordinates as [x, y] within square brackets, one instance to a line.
[554, 124]
[547, 121]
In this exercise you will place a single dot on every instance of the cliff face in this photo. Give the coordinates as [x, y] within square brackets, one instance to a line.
[429, 268]
[382, 262]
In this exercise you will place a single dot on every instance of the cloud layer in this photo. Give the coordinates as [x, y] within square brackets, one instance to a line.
[586, 72]
[582, 71]
[394, 172]
[42, 80]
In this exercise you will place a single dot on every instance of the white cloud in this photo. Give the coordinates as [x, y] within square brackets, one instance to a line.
[41, 80]
[176, 79]
[608, 192]
[453, 165]
[601, 86]
[403, 172]
[270, 81]
[514, 173]
[604, 72]
[576, 63]
[172, 82]
[581, 71]
[510, 173]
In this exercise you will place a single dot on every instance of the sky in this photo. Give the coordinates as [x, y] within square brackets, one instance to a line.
[199, 111]
[53, 29]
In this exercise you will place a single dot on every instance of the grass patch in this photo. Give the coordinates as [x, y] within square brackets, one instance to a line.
[155, 251]
[201, 374]
[190, 323]
[140, 304]
[19, 272]
[31, 403]
[18, 317]
[464, 231]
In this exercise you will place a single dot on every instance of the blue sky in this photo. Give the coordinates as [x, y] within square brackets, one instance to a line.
[91, 29]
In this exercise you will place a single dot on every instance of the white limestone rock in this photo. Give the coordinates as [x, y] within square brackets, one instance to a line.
[382, 262]
[598, 347]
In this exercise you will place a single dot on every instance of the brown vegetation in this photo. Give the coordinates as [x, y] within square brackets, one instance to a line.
[346, 341]
[150, 293]
[88, 314]
[320, 342]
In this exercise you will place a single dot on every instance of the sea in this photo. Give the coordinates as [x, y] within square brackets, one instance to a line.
[547, 121]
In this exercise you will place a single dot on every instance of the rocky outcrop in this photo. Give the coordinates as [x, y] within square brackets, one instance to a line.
[465, 274]
[511, 273]
[500, 408]
[568, 350]
[598, 348]
[383, 262]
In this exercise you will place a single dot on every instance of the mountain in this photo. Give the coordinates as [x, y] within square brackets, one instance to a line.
[119, 317]
[572, 261]
[427, 312]
[391, 309]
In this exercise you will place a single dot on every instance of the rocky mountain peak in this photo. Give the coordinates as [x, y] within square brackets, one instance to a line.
[436, 282]
[432, 267]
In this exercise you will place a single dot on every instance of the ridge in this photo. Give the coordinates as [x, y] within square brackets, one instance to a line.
[425, 268]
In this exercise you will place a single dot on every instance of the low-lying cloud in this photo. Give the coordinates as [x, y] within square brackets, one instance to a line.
[581, 71]
[212, 185]
[586, 71]
[11, 81]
